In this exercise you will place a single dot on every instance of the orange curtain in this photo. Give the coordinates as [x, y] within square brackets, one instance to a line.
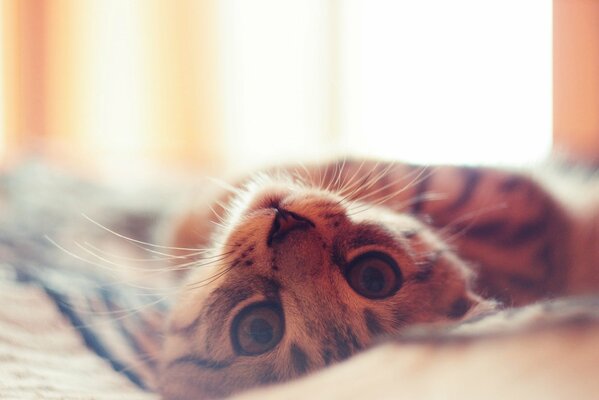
[576, 78]
[23, 57]
[98, 83]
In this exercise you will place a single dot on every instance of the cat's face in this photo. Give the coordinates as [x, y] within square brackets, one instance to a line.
[301, 278]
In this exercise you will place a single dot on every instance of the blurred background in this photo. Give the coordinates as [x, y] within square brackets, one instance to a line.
[133, 89]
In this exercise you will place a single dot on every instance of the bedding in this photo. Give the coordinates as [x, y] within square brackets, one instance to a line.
[70, 328]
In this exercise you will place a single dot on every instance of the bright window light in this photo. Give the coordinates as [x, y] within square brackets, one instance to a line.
[115, 98]
[2, 89]
[275, 72]
[463, 81]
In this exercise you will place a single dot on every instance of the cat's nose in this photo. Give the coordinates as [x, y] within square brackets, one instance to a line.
[284, 222]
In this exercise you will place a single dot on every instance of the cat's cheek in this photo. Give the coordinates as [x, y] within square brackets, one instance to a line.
[455, 300]
[187, 307]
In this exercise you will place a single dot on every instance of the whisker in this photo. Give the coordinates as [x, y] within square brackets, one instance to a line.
[365, 206]
[134, 240]
[348, 182]
[122, 267]
[167, 257]
[322, 175]
[380, 174]
[341, 170]
[224, 185]
[147, 271]
[220, 225]
[221, 219]
[471, 217]
[173, 256]
[198, 263]
[428, 196]
[153, 290]
[209, 280]
[359, 185]
[308, 174]
[115, 315]
[390, 184]
[332, 178]
[373, 180]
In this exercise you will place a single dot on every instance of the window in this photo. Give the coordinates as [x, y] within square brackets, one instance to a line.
[435, 81]
[130, 84]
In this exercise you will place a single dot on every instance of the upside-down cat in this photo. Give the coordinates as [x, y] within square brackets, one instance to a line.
[309, 265]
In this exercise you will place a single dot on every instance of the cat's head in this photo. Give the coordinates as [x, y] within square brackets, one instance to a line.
[301, 278]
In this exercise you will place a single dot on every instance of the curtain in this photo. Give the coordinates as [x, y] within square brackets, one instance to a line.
[124, 87]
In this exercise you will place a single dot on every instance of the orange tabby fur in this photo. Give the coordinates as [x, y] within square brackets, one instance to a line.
[438, 224]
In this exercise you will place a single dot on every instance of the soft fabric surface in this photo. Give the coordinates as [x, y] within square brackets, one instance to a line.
[43, 357]
[80, 314]
[554, 360]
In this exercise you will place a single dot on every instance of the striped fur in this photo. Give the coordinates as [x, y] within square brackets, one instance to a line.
[442, 226]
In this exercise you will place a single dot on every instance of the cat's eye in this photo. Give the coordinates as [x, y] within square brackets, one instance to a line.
[257, 328]
[374, 275]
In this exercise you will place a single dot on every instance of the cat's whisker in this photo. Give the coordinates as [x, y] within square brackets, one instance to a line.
[173, 256]
[220, 225]
[222, 205]
[85, 260]
[203, 260]
[199, 263]
[297, 178]
[121, 267]
[153, 290]
[147, 271]
[340, 174]
[361, 207]
[415, 181]
[207, 281]
[471, 217]
[223, 184]
[360, 185]
[349, 183]
[380, 174]
[427, 196]
[372, 177]
[373, 180]
[309, 178]
[331, 179]
[308, 174]
[132, 259]
[134, 240]
[114, 315]
[323, 175]
[219, 217]
[390, 184]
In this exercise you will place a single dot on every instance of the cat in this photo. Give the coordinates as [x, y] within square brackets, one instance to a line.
[308, 265]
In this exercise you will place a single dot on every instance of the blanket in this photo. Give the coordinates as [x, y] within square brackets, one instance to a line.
[78, 318]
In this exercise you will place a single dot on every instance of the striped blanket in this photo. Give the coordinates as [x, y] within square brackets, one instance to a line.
[80, 316]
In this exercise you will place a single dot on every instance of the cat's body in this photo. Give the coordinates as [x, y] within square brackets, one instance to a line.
[311, 265]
